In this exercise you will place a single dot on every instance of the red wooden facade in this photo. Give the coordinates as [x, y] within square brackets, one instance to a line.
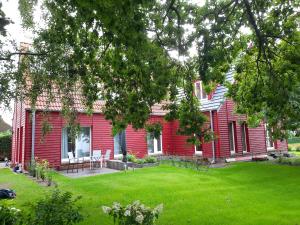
[50, 146]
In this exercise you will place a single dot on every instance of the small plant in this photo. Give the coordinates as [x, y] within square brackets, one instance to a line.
[150, 159]
[131, 158]
[289, 149]
[56, 209]
[49, 176]
[298, 149]
[140, 161]
[10, 215]
[133, 214]
[32, 169]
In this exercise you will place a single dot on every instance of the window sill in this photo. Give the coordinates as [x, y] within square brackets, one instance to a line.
[155, 153]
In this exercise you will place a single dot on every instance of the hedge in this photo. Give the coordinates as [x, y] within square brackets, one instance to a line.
[5, 145]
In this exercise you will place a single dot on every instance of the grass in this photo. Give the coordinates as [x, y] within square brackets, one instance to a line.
[243, 193]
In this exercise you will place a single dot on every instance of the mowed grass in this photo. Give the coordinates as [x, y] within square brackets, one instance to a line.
[242, 193]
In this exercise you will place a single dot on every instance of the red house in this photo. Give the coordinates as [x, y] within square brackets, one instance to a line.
[234, 138]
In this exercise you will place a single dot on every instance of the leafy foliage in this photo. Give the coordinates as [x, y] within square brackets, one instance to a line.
[5, 144]
[10, 215]
[58, 209]
[119, 52]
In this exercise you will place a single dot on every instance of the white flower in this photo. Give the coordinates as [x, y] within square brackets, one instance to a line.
[127, 213]
[106, 209]
[158, 209]
[116, 207]
[139, 219]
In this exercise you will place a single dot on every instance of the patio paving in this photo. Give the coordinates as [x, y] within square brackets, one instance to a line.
[87, 172]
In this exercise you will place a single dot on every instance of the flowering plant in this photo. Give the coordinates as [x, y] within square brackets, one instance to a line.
[133, 214]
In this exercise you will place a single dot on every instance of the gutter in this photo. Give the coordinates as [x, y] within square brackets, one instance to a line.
[213, 142]
[32, 135]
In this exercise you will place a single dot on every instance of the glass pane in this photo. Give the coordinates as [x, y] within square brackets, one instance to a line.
[150, 143]
[64, 152]
[83, 142]
[159, 144]
[118, 139]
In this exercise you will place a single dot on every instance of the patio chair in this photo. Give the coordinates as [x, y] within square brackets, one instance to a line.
[74, 162]
[96, 159]
[106, 156]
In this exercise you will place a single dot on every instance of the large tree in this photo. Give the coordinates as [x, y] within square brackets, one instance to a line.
[120, 51]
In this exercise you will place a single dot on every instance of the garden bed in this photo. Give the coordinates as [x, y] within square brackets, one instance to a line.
[119, 165]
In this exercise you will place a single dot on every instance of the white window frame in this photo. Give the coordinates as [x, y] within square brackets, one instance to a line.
[155, 150]
[267, 139]
[232, 152]
[201, 90]
[65, 160]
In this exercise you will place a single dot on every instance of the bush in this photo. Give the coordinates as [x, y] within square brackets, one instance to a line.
[5, 145]
[131, 158]
[298, 149]
[289, 161]
[140, 161]
[133, 214]
[150, 159]
[10, 215]
[289, 149]
[55, 209]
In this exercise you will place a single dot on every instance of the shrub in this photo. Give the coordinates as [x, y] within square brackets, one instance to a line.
[5, 145]
[10, 215]
[55, 209]
[131, 158]
[150, 159]
[133, 214]
[140, 161]
[298, 149]
[289, 149]
[289, 161]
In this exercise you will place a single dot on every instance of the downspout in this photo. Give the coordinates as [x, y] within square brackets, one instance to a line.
[32, 135]
[213, 142]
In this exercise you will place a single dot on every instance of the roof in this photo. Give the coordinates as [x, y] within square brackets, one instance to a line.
[218, 97]
[55, 104]
[4, 126]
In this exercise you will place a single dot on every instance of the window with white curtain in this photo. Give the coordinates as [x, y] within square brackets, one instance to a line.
[118, 142]
[154, 145]
[79, 145]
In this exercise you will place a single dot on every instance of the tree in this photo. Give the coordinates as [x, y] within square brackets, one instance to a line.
[120, 51]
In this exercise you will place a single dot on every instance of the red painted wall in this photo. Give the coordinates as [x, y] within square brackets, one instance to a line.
[49, 146]
[256, 135]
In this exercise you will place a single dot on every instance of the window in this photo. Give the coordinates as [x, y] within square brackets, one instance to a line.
[79, 145]
[154, 145]
[269, 139]
[199, 149]
[119, 143]
[231, 127]
[245, 138]
[199, 91]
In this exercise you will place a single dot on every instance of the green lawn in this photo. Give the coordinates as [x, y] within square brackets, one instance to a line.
[243, 193]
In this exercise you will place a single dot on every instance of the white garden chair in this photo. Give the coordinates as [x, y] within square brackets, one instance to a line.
[96, 159]
[107, 156]
[74, 162]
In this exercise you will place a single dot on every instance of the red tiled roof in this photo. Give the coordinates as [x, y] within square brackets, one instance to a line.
[56, 105]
